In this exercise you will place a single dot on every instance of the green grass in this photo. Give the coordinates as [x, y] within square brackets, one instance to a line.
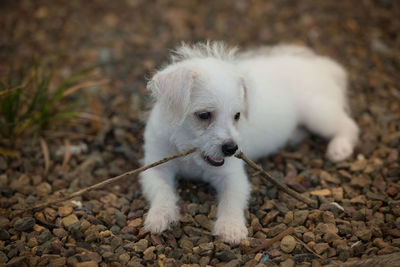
[27, 103]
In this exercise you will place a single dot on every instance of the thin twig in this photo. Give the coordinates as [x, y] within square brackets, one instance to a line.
[267, 243]
[108, 181]
[309, 249]
[281, 186]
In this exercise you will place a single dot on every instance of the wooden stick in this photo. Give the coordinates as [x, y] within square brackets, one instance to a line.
[141, 169]
[108, 181]
[267, 243]
[281, 186]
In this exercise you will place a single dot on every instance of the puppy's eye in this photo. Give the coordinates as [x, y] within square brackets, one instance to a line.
[204, 115]
[237, 116]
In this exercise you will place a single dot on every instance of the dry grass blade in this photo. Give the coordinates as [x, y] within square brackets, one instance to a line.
[46, 155]
[10, 153]
[9, 90]
[22, 85]
[69, 135]
[84, 85]
[88, 116]
[67, 154]
[95, 109]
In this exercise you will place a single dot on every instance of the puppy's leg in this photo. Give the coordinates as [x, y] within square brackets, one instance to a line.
[233, 191]
[342, 144]
[330, 120]
[159, 189]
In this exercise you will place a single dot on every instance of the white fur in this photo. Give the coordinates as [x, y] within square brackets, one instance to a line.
[276, 90]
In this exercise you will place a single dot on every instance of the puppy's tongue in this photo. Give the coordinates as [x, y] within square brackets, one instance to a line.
[215, 161]
[218, 159]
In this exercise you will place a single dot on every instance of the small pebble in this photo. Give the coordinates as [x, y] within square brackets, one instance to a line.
[69, 220]
[320, 248]
[299, 217]
[136, 222]
[141, 245]
[148, 254]
[65, 211]
[364, 234]
[225, 255]
[4, 235]
[308, 236]
[288, 243]
[24, 224]
[277, 229]
[87, 264]
[287, 263]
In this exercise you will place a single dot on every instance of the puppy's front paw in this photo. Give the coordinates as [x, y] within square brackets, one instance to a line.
[230, 230]
[339, 149]
[160, 218]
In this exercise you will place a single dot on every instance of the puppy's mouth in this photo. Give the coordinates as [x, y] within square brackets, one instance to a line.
[216, 162]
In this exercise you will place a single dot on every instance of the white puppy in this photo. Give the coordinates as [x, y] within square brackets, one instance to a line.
[219, 101]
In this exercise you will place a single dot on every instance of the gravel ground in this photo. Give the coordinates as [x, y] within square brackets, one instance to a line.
[358, 214]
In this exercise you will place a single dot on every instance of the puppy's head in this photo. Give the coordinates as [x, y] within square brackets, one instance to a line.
[205, 100]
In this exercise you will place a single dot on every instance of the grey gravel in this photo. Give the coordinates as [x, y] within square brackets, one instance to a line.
[225, 255]
[24, 224]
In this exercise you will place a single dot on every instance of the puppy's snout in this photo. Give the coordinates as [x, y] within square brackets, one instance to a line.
[229, 148]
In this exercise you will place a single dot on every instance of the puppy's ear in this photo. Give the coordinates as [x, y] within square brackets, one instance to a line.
[172, 87]
[245, 99]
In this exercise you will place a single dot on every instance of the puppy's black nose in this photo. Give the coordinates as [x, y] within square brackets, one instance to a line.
[229, 148]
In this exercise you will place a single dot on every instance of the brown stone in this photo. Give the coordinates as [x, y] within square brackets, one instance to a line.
[326, 228]
[358, 165]
[136, 222]
[203, 221]
[364, 234]
[337, 193]
[70, 219]
[361, 181]
[43, 189]
[87, 264]
[148, 254]
[321, 192]
[288, 243]
[58, 262]
[388, 250]
[325, 176]
[65, 211]
[320, 248]
[392, 191]
[308, 236]
[50, 214]
[330, 237]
